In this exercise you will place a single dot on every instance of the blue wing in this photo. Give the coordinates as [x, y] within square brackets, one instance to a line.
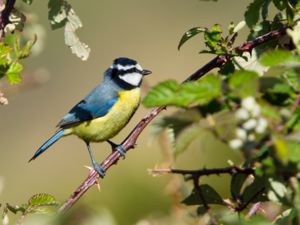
[87, 109]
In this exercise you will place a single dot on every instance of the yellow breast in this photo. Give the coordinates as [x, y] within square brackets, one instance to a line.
[106, 127]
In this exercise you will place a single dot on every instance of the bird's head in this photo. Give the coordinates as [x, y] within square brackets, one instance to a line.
[127, 72]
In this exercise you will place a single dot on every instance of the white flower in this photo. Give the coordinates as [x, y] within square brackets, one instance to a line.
[250, 124]
[242, 114]
[255, 112]
[241, 134]
[5, 219]
[236, 143]
[249, 103]
[261, 126]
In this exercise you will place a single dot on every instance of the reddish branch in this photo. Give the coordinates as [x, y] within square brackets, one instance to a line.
[130, 140]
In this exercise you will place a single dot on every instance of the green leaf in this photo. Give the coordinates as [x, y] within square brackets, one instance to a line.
[186, 137]
[244, 83]
[13, 73]
[213, 36]
[190, 93]
[236, 184]
[279, 57]
[294, 121]
[42, 199]
[189, 34]
[16, 208]
[252, 13]
[25, 51]
[280, 4]
[255, 191]
[41, 203]
[209, 194]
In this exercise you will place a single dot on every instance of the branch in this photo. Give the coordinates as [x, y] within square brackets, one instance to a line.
[206, 172]
[130, 140]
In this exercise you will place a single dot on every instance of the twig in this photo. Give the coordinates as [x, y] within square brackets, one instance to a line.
[130, 140]
[206, 172]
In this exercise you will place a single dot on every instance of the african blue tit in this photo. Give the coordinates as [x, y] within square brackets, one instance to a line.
[105, 110]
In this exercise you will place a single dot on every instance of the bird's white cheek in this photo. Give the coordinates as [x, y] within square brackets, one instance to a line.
[132, 78]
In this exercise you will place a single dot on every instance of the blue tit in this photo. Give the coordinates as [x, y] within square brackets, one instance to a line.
[105, 110]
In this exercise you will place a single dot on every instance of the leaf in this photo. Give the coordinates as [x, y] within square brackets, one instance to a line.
[77, 47]
[62, 14]
[294, 121]
[294, 34]
[255, 191]
[16, 208]
[189, 34]
[279, 57]
[280, 4]
[252, 13]
[190, 93]
[13, 73]
[42, 199]
[209, 194]
[265, 9]
[41, 203]
[58, 11]
[236, 184]
[277, 191]
[213, 36]
[186, 137]
[244, 83]
[281, 149]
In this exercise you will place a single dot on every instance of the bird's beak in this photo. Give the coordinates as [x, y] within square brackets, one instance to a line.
[146, 72]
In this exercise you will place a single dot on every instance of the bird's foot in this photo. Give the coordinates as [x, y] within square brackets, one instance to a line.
[116, 147]
[99, 169]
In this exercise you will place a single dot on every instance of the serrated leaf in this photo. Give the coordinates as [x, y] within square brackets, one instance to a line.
[252, 13]
[237, 181]
[213, 36]
[190, 93]
[279, 57]
[189, 34]
[244, 83]
[42, 199]
[209, 194]
[13, 73]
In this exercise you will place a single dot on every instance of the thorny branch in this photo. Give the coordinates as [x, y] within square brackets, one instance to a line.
[131, 139]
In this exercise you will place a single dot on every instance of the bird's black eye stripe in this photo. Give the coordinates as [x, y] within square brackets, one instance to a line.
[132, 70]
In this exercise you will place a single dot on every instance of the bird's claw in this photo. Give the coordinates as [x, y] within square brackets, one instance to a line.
[99, 169]
[119, 148]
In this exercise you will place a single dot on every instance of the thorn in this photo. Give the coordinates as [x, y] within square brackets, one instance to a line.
[89, 168]
[98, 185]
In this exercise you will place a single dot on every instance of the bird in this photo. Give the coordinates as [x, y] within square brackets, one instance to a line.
[105, 110]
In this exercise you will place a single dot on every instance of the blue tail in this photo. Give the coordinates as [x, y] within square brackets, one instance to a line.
[48, 143]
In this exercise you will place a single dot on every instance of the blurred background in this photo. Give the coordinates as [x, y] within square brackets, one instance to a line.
[148, 31]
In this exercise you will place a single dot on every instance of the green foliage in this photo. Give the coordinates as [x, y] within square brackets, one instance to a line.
[189, 94]
[11, 53]
[263, 116]
[213, 38]
[37, 204]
